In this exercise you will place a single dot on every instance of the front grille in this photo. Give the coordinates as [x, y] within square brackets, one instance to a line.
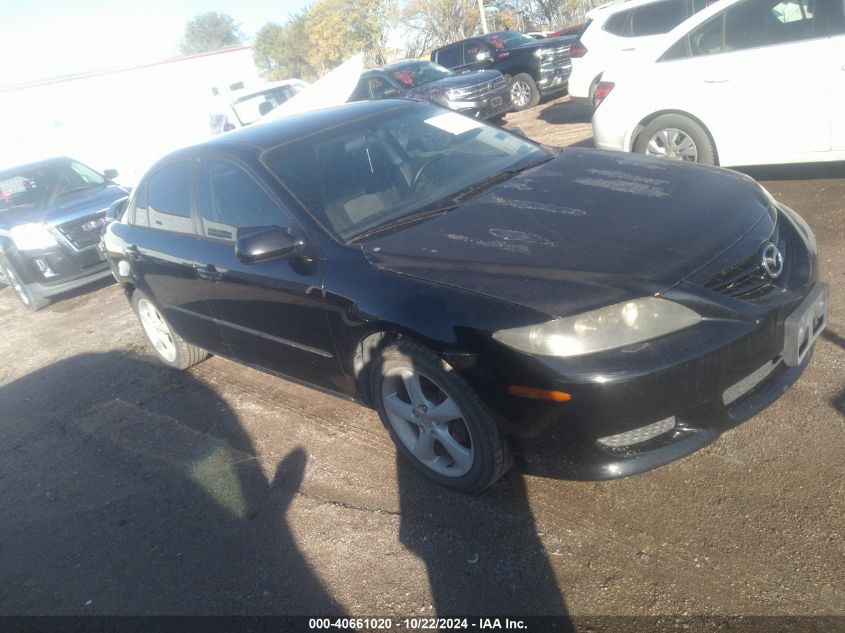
[84, 232]
[476, 91]
[747, 280]
[560, 57]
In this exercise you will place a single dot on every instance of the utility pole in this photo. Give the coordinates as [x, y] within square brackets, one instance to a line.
[483, 16]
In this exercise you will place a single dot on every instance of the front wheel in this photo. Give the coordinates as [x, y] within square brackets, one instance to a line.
[436, 420]
[170, 348]
[29, 299]
[524, 92]
[676, 137]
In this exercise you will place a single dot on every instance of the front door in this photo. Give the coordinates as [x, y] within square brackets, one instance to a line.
[271, 313]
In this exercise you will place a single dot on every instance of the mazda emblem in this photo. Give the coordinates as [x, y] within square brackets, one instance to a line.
[771, 260]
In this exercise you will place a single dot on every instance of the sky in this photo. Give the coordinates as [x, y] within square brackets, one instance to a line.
[42, 39]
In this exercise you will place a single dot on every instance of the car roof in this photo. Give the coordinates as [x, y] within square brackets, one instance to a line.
[262, 136]
[481, 37]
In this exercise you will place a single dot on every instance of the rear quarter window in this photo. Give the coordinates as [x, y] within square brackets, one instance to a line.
[618, 24]
[659, 17]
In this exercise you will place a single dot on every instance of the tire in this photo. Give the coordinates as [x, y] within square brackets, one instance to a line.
[30, 299]
[170, 348]
[677, 137]
[463, 449]
[524, 92]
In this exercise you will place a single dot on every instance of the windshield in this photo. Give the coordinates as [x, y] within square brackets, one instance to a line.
[412, 74]
[382, 170]
[507, 40]
[38, 185]
[252, 107]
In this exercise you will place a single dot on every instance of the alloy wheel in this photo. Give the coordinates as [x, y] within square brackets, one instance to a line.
[674, 144]
[427, 421]
[520, 93]
[157, 330]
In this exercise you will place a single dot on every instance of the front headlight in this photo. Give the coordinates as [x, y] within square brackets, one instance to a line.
[456, 94]
[607, 328]
[30, 237]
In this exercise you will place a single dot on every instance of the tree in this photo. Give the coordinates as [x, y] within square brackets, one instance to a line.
[281, 52]
[209, 32]
[433, 23]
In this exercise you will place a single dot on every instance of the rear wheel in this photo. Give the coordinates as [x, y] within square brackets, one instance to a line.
[436, 420]
[524, 92]
[171, 349]
[29, 298]
[676, 137]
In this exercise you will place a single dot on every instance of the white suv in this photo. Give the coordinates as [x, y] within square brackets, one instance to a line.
[744, 82]
[620, 27]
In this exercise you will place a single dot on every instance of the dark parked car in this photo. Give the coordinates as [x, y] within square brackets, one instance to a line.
[51, 216]
[474, 286]
[481, 94]
[533, 68]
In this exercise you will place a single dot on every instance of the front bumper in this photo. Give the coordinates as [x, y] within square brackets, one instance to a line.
[553, 79]
[709, 378]
[51, 271]
[485, 107]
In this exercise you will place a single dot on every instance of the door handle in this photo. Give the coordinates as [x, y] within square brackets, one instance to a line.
[209, 272]
[717, 81]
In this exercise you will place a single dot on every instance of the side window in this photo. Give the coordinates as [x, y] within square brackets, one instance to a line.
[708, 38]
[618, 24]
[169, 198]
[471, 50]
[378, 85]
[450, 56]
[658, 17]
[230, 200]
[141, 216]
[767, 22]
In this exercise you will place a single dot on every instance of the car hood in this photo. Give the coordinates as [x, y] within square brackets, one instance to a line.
[63, 208]
[586, 229]
[461, 80]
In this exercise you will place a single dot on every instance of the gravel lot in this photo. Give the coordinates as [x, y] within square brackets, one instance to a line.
[131, 489]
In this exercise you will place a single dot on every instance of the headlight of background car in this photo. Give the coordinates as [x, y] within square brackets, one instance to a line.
[607, 328]
[455, 94]
[28, 237]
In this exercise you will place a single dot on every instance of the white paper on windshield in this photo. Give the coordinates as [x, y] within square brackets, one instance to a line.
[453, 123]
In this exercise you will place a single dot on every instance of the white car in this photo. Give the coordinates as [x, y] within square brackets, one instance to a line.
[744, 82]
[620, 27]
[250, 106]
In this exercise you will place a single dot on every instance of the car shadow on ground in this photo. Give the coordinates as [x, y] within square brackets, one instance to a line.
[114, 506]
[567, 112]
[838, 401]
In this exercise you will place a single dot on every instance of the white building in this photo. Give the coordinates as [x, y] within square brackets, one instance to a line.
[124, 118]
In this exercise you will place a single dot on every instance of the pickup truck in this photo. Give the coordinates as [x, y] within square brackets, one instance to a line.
[51, 216]
[532, 68]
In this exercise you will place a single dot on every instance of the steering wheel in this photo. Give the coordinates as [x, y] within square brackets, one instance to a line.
[426, 163]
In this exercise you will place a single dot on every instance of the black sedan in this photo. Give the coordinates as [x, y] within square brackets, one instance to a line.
[481, 94]
[475, 287]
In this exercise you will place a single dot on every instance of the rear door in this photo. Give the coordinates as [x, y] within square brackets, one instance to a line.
[271, 313]
[759, 77]
[160, 248]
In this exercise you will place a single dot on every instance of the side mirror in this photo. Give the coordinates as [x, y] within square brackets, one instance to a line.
[483, 56]
[390, 92]
[518, 131]
[264, 243]
[116, 209]
[110, 174]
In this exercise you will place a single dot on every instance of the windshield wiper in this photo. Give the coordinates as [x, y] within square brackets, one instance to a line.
[403, 222]
[497, 178]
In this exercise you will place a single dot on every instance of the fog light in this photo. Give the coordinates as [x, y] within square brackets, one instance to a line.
[638, 435]
[44, 268]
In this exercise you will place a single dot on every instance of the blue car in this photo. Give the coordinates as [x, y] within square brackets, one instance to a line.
[51, 216]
